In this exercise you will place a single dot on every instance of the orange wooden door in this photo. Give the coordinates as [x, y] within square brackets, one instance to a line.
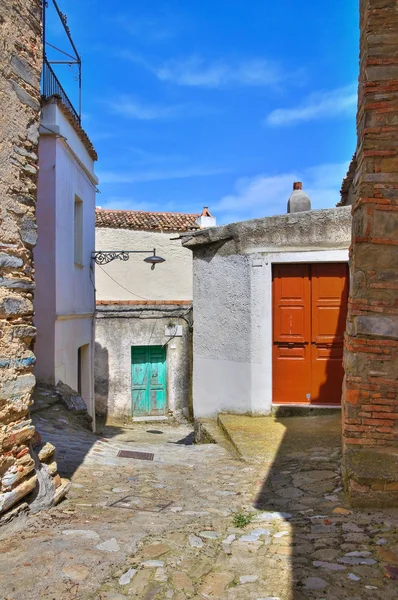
[309, 313]
[292, 333]
[329, 286]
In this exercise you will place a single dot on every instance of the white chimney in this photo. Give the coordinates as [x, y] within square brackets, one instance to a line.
[206, 219]
[298, 201]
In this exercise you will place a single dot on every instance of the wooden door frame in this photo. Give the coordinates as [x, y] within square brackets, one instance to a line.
[261, 296]
[149, 417]
[303, 260]
[307, 343]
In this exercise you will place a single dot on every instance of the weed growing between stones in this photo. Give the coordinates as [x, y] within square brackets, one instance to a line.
[241, 519]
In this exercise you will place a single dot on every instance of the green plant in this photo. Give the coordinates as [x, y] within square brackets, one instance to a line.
[241, 519]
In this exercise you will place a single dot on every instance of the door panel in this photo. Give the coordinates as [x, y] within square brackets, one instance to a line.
[291, 298]
[329, 312]
[139, 378]
[148, 380]
[291, 373]
[292, 317]
[309, 314]
[157, 390]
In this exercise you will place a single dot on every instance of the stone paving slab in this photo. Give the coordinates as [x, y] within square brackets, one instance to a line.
[169, 528]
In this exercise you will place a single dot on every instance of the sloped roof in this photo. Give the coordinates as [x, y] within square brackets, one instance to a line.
[148, 221]
[87, 143]
[348, 182]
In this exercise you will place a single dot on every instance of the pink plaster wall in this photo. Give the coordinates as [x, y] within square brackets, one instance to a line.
[44, 261]
[64, 300]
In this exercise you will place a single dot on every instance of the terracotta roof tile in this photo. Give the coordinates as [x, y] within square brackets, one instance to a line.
[149, 221]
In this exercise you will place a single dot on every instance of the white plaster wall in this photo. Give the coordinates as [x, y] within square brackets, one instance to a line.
[171, 280]
[221, 340]
[53, 118]
[75, 288]
[70, 334]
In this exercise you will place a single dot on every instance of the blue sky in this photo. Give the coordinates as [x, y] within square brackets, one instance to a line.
[216, 103]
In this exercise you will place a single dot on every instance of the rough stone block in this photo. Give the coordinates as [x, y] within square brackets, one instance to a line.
[23, 70]
[15, 306]
[381, 326]
[8, 261]
[71, 399]
[8, 499]
[26, 98]
[23, 384]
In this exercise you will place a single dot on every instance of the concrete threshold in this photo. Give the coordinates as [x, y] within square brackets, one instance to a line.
[149, 419]
[304, 410]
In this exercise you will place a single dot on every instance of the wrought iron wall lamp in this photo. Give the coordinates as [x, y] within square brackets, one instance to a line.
[103, 257]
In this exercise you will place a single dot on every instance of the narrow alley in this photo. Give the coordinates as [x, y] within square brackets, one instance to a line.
[194, 521]
[198, 300]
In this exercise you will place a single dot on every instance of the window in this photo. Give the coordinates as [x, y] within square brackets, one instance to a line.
[78, 232]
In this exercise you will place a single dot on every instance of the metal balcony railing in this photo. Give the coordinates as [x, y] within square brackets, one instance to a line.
[52, 87]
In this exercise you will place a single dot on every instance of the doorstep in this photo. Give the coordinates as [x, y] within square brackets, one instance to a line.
[147, 419]
[304, 410]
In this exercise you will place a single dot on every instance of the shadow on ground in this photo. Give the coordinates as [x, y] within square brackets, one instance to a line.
[69, 432]
[327, 550]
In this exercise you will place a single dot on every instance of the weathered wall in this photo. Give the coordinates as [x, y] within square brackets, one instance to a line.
[118, 328]
[232, 341]
[171, 280]
[20, 62]
[371, 360]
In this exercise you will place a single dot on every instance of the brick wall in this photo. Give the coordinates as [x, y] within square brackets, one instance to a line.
[20, 67]
[370, 396]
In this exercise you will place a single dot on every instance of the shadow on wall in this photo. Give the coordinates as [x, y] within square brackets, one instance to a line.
[101, 382]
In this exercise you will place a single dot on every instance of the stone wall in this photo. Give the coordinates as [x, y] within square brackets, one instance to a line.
[20, 62]
[370, 395]
[120, 326]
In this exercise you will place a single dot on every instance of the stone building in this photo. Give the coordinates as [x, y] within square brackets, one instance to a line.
[64, 299]
[270, 300]
[20, 31]
[144, 314]
[370, 400]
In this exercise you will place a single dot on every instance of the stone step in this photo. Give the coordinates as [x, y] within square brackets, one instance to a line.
[208, 431]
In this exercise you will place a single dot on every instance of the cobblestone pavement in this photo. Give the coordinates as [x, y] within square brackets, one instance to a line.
[167, 528]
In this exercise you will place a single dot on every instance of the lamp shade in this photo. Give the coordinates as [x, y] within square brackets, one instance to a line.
[153, 259]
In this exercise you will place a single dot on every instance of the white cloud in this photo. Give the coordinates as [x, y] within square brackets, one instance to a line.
[319, 105]
[194, 71]
[132, 108]
[149, 30]
[144, 157]
[265, 195]
[122, 177]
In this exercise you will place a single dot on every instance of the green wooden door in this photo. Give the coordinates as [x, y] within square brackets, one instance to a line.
[148, 381]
